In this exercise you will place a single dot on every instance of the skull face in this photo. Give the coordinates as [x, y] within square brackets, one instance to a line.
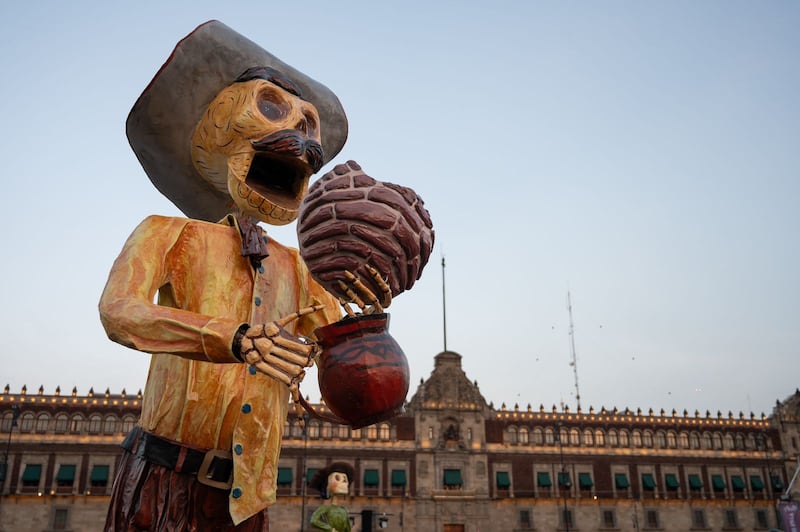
[260, 144]
[338, 484]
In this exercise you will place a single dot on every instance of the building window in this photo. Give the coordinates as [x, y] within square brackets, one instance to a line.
[651, 518]
[621, 481]
[502, 480]
[128, 423]
[585, 481]
[62, 423]
[543, 479]
[384, 431]
[549, 438]
[623, 438]
[344, 432]
[609, 518]
[756, 483]
[76, 424]
[683, 439]
[695, 483]
[648, 482]
[313, 430]
[538, 437]
[355, 434]
[110, 425]
[612, 438]
[574, 437]
[637, 438]
[525, 521]
[26, 422]
[398, 478]
[372, 432]
[737, 483]
[588, 439]
[707, 441]
[661, 440]
[99, 476]
[60, 519]
[452, 478]
[94, 423]
[731, 519]
[66, 476]
[648, 439]
[523, 435]
[42, 423]
[564, 480]
[672, 440]
[718, 483]
[469, 434]
[695, 440]
[31, 476]
[671, 481]
[729, 444]
[371, 479]
[430, 433]
[698, 518]
[599, 438]
[717, 441]
[512, 435]
[761, 519]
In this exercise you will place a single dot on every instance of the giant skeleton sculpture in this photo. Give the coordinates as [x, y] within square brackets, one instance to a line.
[231, 135]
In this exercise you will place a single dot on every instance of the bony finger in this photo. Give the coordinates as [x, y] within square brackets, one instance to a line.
[299, 314]
[290, 356]
[287, 367]
[294, 346]
[268, 370]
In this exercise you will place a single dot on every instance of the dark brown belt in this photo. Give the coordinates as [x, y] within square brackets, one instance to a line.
[213, 467]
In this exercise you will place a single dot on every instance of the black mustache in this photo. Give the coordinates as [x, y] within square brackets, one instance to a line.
[291, 142]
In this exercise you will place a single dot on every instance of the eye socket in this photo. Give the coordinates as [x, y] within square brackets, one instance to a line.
[311, 122]
[272, 105]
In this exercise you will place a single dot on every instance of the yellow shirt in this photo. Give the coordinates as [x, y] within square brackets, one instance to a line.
[197, 392]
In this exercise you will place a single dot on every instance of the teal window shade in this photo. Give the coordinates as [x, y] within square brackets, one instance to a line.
[621, 481]
[694, 482]
[648, 482]
[32, 473]
[284, 476]
[564, 479]
[99, 475]
[737, 483]
[543, 479]
[671, 481]
[585, 480]
[310, 474]
[452, 478]
[503, 481]
[371, 477]
[66, 474]
[718, 482]
[398, 477]
[777, 483]
[756, 483]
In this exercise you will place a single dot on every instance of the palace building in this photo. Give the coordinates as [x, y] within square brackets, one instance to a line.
[450, 463]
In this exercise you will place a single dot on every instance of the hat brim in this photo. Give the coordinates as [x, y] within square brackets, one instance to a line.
[163, 119]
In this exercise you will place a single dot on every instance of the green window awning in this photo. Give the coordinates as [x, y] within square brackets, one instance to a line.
[503, 481]
[371, 477]
[756, 483]
[648, 482]
[777, 482]
[621, 481]
[310, 474]
[32, 473]
[398, 477]
[543, 479]
[585, 480]
[452, 477]
[737, 483]
[718, 482]
[66, 473]
[564, 479]
[284, 476]
[694, 482]
[99, 473]
[671, 481]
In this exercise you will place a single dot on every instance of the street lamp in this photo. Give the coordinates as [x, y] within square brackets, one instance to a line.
[304, 480]
[14, 417]
[563, 478]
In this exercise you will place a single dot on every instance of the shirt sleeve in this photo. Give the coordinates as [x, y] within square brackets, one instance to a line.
[130, 316]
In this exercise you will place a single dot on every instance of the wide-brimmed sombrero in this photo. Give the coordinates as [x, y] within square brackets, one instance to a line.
[162, 120]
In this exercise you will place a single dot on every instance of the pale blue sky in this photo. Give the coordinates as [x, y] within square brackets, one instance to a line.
[643, 155]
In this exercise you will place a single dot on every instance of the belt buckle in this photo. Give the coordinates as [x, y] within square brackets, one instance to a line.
[205, 472]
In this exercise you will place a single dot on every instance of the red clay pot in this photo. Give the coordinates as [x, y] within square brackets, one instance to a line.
[363, 372]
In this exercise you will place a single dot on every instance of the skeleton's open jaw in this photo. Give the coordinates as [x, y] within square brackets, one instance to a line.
[279, 180]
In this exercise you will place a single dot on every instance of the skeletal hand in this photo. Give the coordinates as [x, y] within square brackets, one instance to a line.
[275, 352]
[360, 295]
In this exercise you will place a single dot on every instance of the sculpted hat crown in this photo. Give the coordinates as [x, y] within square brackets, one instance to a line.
[161, 123]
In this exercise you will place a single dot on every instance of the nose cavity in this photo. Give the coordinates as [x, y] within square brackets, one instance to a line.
[302, 125]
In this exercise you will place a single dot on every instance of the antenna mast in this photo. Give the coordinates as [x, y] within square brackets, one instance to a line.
[574, 361]
[444, 308]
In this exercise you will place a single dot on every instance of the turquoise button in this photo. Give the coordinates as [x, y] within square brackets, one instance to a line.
[236, 493]
[260, 269]
[258, 301]
[246, 408]
[252, 370]
[264, 239]
[237, 449]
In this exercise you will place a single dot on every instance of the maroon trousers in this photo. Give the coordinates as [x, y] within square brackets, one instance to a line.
[151, 497]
